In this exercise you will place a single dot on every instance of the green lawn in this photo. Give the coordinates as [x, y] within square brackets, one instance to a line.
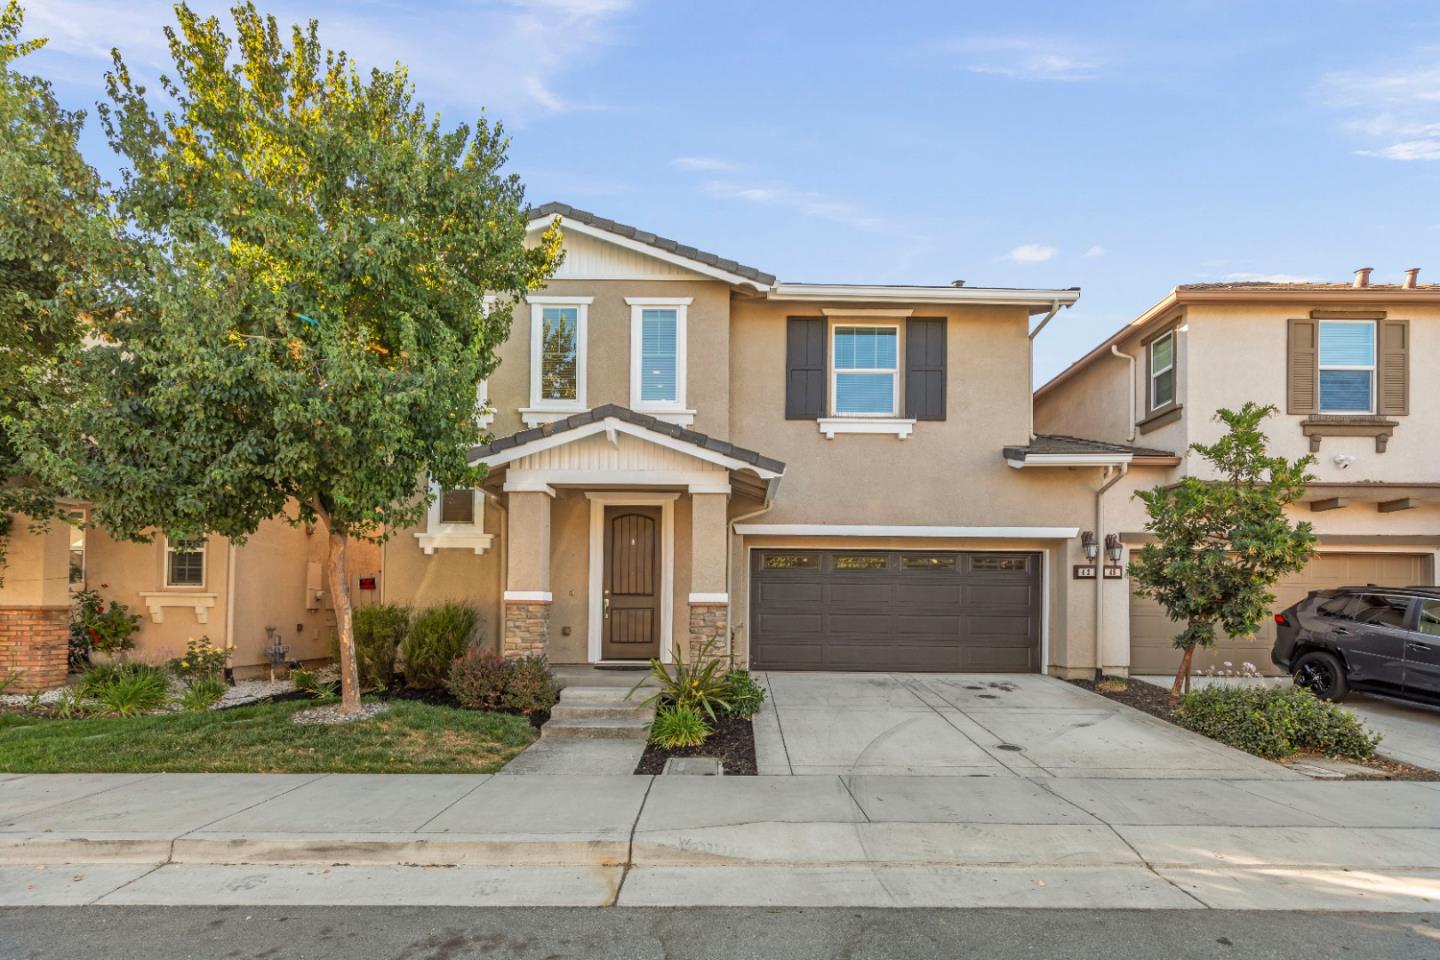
[410, 738]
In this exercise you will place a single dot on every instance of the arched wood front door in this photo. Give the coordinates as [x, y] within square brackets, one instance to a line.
[631, 605]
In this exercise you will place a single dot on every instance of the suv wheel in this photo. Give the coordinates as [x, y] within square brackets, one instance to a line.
[1322, 674]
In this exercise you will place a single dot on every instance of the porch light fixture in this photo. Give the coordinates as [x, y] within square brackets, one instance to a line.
[1113, 547]
[1088, 544]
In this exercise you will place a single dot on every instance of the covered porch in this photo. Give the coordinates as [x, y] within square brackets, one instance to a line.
[615, 536]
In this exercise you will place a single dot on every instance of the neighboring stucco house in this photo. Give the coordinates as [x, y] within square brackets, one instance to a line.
[1346, 366]
[686, 451]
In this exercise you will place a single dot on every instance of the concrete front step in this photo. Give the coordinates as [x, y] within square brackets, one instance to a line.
[599, 695]
[590, 729]
[565, 711]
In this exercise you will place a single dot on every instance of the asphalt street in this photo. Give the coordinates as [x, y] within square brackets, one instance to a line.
[452, 933]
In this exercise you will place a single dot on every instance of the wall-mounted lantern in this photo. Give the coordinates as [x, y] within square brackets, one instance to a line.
[1088, 544]
[1114, 549]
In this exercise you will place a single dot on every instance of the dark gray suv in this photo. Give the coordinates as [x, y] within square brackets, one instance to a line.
[1382, 639]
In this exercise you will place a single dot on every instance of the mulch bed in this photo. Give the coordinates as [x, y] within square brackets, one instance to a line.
[1148, 698]
[733, 742]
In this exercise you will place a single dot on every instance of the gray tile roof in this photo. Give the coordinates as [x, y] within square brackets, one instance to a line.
[704, 441]
[1052, 443]
[659, 243]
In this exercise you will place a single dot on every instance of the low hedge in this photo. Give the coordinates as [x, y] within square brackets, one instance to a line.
[1276, 721]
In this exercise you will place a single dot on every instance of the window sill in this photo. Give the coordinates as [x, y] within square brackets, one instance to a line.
[535, 416]
[683, 418]
[461, 539]
[1160, 417]
[1320, 425]
[894, 426]
[176, 597]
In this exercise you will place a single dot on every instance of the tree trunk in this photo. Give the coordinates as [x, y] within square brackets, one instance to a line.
[1182, 675]
[344, 623]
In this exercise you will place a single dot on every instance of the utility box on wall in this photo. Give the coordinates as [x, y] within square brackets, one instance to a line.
[314, 584]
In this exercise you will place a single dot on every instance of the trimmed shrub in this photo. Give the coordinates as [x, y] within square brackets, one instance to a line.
[379, 631]
[530, 687]
[436, 638]
[1276, 721]
[477, 679]
[677, 726]
[742, 695]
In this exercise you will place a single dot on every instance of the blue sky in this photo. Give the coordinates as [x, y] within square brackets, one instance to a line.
[1119, 147]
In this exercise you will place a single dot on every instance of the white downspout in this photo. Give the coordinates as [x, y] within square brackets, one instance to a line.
[1125, 356]
[230, 595]
[1030, 359]
[1100, 561]
[731, 535]
[503, 532]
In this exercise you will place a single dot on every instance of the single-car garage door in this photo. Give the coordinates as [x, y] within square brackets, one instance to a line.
[1152, 648]
[894, 610]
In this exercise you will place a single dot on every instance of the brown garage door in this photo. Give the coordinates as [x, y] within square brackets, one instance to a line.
[1151, 632]
[894, 610]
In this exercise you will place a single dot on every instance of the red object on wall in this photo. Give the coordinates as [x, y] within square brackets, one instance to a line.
[367, 583]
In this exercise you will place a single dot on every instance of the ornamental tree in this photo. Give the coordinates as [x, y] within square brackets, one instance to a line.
[1221, 544]
[53, 234]
[305, 312]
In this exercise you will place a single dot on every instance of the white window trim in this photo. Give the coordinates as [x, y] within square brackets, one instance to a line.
[537, 338]
[453, 536]
[675, 410]
[204, 567]
[1370, 368]
[1155, 374]
[893, 416]
[484, 409]
[853, 423]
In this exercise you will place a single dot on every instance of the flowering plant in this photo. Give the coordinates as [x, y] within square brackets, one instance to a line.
[201, 659]
[109, 627]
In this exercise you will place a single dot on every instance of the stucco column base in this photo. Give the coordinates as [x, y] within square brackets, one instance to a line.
[527, 628]
[34, 647]
[708, 624]
[1072, 673]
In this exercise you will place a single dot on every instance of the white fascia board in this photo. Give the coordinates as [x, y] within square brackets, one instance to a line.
[634, 430]
[1072, 460]
[901, 531]
[977, 295]
[702, 268]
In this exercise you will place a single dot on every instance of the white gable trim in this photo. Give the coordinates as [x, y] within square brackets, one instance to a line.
[616, 425]
[664, 255]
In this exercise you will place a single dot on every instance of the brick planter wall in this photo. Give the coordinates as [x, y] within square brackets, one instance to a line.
[707, 622]
[527, 628]
[35, 645]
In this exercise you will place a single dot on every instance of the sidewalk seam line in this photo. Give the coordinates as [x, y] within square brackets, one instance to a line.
[630, 846]
[775, 705]
[983, 749]
[236, 813]
[844, 782]
[127, 883]
[451, 804]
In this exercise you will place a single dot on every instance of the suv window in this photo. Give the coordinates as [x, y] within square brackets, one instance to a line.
[1430, 617]
[1380, 610]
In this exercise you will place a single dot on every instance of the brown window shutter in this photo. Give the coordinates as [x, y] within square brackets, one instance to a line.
[1302, 389]
[1394, 368]
[806, 376]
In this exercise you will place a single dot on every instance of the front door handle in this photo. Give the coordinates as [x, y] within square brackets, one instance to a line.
[1341, 632]
[1418, 647]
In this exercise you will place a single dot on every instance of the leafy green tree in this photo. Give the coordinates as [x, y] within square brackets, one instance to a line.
[307, 320]
[53, 233]
[1221, 544]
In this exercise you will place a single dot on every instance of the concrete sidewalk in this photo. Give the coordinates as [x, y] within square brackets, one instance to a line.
[735, 841]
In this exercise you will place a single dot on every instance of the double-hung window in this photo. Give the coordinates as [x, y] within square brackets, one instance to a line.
[657, 354]
[1162, 371]
[184, 563]
[557, 352]
[865, 375]
[1347, 366]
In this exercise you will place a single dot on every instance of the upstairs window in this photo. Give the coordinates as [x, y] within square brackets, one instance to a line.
[866, 375]
[1162, 371]
[1347, 366]
[184, 563]
[657, 352]
[457, 506]
[557, 352]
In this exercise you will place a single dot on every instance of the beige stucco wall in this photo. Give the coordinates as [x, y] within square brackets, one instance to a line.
[449, 574]
[37, 565]
[608, 350]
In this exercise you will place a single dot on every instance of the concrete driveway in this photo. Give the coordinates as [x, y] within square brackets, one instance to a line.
[991, 725]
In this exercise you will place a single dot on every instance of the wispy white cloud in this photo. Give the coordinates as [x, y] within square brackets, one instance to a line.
[1028, 57]
[511, 57]
[1397, 109]
[806, 202]
[1032, 253]
[1095, 252]
[709, 164]
[1243, 277]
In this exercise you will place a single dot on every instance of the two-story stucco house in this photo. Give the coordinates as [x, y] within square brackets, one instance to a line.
[1346, 366]
[684, 451]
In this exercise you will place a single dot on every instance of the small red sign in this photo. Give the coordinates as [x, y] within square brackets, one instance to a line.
[367, 583]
